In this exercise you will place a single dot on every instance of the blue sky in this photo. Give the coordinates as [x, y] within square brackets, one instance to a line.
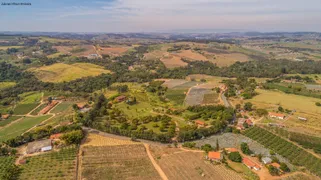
[161, 15]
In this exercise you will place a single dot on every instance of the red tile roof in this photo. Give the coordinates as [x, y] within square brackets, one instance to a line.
[276, 114]
[48, 107]
[277, 165]
[199, 122]
[214, 155]
[248, 121]
[248, 162]
[81, 105]
[231, 149]
[56, 136]
[5, 116]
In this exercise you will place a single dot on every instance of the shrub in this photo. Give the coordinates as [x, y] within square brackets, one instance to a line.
[235, 157]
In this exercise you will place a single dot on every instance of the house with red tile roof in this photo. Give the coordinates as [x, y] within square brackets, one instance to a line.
[200, 123]
[56, 136]
[5, 116]
[250, 164]
[277, 115]
[214, 156]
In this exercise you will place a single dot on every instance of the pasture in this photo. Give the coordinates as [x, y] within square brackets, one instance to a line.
[189, 54]
[62, 107]
[51, 166]
[223, 60]
[22, 109]
[83, 50]
[60, 72]
[18, 128]
[38, 109]
[112, 51]
[116, 162]
[173, 61]
[5, 85]
[181, 165]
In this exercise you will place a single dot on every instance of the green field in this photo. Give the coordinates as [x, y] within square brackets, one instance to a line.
[60, 72]
[22, 109]
[5, 161]
[4, 85]
[176, 95]
[289, 101]
[20, 127]
[51, 166]
[9, 120]
[36, 111]
[62, 107]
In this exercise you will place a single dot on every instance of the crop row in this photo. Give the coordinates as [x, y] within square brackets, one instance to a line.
[293, 153]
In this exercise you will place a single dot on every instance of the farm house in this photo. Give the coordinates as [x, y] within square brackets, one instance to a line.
[39, 146]
[277, 115]
[250, 164]
[214, 156]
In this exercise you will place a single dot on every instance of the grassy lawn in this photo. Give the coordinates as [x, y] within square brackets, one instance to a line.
[9, 120]
[4, 85]
[20, 127]
[62, 107]
[30, 97]
[138, 110]
[22, 109]
[150, 126]
[241, 168]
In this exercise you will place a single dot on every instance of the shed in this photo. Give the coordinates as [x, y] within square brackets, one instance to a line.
[39, 146]
[266, 160]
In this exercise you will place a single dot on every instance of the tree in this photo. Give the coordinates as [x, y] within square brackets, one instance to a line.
[280, 108]
[49, 99]
[245, 148]
[238, 106]
[318, 104]
[217, 148]
[284, 167]
[235, 157]
[207, 148]
[273, 170]
[73, 137]
[248, 106]
[26, 61]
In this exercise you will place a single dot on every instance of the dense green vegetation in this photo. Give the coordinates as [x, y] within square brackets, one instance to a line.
[292, 89]
[293, 153]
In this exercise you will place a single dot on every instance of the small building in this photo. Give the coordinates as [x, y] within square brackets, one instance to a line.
[48, 107]
[81, 105]
[215, 156]
[55, 136]
[230, 150]
[22, 161]
[200, 123]
[5, 116]
[302, 118]
[120, 98]
[266, 160]
[250, 164]
[277, 115]
[93, 56]
[240, 127]
[39, 146]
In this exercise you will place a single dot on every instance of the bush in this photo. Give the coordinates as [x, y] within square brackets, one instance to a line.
[284, 167]
[235, 157]
[273, 170]
[189, 144]
[73, 137]
[245, 148]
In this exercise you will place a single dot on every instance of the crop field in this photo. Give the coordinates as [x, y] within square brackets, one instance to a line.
[83, 50]
[30, 97]
[289, 101]
[51, 166]
[171, 83]
[293, 153]
[5, 162]
[189, 54]
[178, 164]
[62, 107]
[22, 109]
[20, 127]
[196, 96]
[222, 60]
[99, 140]
[173, 61]
[313, 87]
[113, 51]
[9, 120]
[187, 85]
[176, 95]
[4, 85]
[36, 111]
[211, 98]
[117, 162]
[60, 72]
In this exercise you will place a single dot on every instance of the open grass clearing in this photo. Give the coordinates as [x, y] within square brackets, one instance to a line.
[20, 127]
[62, 107]
[173, 61]
[22, 109]
[9, 120]
[4, 85]
[60, 72]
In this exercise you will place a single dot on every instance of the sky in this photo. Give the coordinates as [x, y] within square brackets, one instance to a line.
[160, 15]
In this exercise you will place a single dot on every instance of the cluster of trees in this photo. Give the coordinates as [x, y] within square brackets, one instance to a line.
[245, 148]
[245, 86]
[73, 137]
[39, 133]
[219, 113]
[235, 157]
[298, 90]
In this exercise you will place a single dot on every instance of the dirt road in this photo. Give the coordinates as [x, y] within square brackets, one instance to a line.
[157, 167]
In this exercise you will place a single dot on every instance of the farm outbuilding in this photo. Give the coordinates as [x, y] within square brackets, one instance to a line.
[277, 115]
[266, 160]
[214, 156]
[250, 164]
[39, 146]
